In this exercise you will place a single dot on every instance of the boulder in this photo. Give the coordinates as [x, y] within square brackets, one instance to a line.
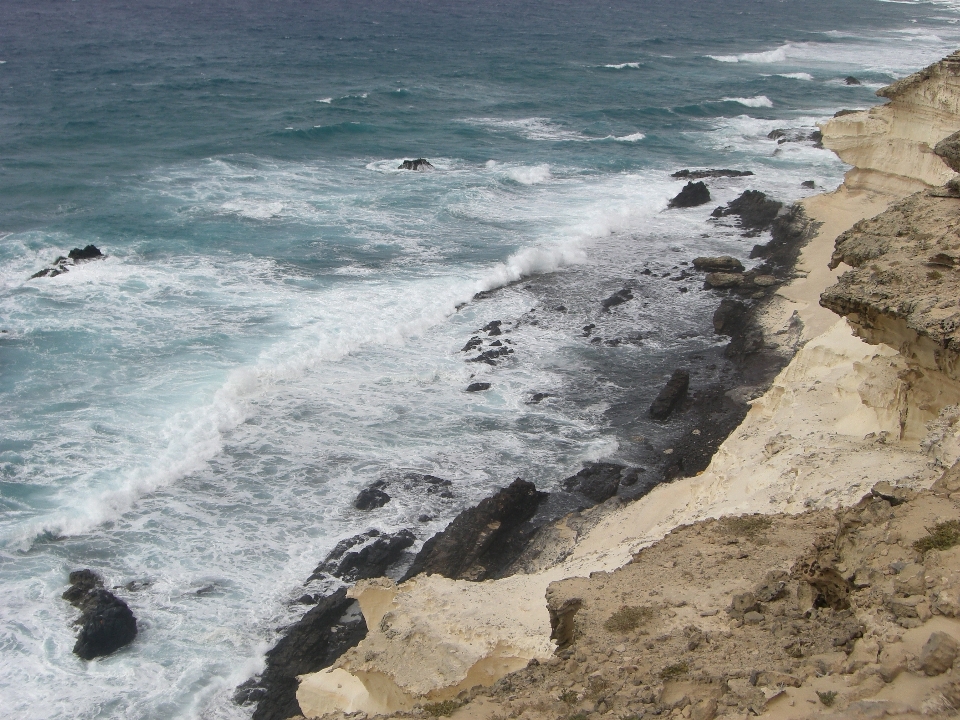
[722, 280]
[482, 540]
[372, 497]
[474, 342]
[938, 653]
[330, 628]
[106, 622]
[949, 151]
[715, 173]
[671, 395]
[808, 184]
[363, 556]
[729, 317]
[598, 481]
[478, 387]
[89, 252]
[418, 164]
[618, 298]
[721, 263]
[693, 194]
[851, 80]
[755, 211]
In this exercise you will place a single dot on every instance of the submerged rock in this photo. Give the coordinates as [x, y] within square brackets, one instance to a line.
[418, 164]
[62, 264]
[671, 395]
[618, 298]
[851, 80]
[478, 387]
[87, 253]
[693, 194]
[106, 622]
[482, 540]
[363, 556]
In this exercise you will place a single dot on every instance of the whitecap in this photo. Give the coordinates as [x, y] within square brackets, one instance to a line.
[535, 128]
[768, 56]
[622, 66]
[754, 102]
[529, 175]
[325, 100]
[796, 76]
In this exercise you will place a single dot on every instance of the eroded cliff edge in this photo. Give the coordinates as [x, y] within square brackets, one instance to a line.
[845, 413]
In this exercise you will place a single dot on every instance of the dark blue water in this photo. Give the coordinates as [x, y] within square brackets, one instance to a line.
[276, 323]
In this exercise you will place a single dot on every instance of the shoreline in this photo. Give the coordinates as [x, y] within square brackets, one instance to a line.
[831, 419]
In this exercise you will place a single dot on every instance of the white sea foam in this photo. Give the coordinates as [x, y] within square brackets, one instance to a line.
[755, 102]
[623, 66]
[529, 175]
[768, 56]
[325, 100]
[535, 128]
[633, 137]
[796, 76]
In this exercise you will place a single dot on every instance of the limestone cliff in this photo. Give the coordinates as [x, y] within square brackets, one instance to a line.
[891, 146]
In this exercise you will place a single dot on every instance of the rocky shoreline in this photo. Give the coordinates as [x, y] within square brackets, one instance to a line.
[651, 605]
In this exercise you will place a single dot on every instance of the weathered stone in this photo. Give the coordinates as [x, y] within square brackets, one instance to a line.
[562, 614]
[671, 395]
[938, 653]
[363, 556]
[693, 194]
[742, 603]
[754, 209]
[753, 617]
[722, 280]
[949, 150]
[598, 481]
[891, 493]
[729, 317]
[773, 587]
[720, 263]
[372, 497]
[106, 622]
[912, 580]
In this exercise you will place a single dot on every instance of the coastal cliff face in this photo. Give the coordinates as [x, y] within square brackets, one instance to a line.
[891, 146]
[870, 397]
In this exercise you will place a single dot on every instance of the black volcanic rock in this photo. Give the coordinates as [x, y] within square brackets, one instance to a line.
[755, 211]
[478, 387]
[418, 164]
[851, 80]
[87, 253]
[106, 622]
[321, 636]
[372, 497]
[366, 555]
[598, 481]
[700, 174]
[482, 540]
[618, 298]
[62, 264]
[671, 395]
[693, 194]
[729, 317]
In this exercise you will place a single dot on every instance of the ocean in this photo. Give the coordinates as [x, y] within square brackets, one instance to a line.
[280, 316]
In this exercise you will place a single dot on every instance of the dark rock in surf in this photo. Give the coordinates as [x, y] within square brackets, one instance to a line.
[478, 387]
[729, 317]
[700, 174]
[492, 327]
[808, 184]
[618, 298]
[329, 629]
[755, 211]
[790, 231]
[721, 263]
[851, 80]
[89, 252]
[489, 356]
[418, 164]
[597, 481]
[472, 343]
[106, 622]
[483, 540]
[693, 194]
[537, 397]
[363, 556]
[372, 497]
[672, 394]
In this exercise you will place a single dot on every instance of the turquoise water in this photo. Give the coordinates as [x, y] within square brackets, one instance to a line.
[276, 323]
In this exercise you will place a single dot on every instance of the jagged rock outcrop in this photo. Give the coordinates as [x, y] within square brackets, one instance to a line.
[482, 540]
[753, 209]
[366, 555]
[63, 264]
[671, 395]
[420, 164]
[891, 146]
[692, 195]
[688, 174]
[106, 622]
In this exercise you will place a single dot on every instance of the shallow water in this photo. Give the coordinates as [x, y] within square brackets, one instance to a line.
[276, 323]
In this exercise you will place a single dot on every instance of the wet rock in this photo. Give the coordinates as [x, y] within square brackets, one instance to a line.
[598, 481]
[418, 164]
[809, 184]
[618, 298]
[700, 174]
[87, 253]
[729, 317]
[938, 653]
[755, 211]
[790, 231]
[372, 497]
[106, 622]
[367, 555]
[671, 395]
[537, 397]
[490, 356]
[327, 630]
[472, 343]
[478, 386]
[492, 327]
[721, 263]
[483, 540]
[692, 195]
[722, 280]
[851, 80]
